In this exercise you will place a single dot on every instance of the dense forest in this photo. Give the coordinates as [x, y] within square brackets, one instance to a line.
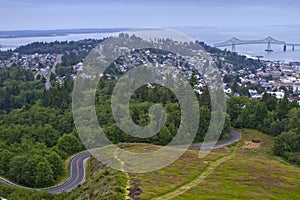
[36, 128]
[279, 118]
[37, 131]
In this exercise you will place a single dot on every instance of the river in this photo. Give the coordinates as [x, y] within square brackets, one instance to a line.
[209, 35]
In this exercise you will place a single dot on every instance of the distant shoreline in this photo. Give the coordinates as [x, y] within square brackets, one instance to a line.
[54, 33]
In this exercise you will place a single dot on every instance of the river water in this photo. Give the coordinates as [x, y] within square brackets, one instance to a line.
[210, 35]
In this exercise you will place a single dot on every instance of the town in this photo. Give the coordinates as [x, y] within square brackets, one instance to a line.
[276, 78]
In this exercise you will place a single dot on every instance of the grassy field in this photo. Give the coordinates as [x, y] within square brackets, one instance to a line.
[252, 173]
[174, 176]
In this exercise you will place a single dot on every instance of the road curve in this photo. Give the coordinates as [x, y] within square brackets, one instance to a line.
[233, 137]
[77, 174]
[77, 168]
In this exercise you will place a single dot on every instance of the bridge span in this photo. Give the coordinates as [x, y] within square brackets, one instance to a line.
[268, 40]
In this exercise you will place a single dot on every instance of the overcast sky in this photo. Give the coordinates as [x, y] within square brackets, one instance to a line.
[61, 14]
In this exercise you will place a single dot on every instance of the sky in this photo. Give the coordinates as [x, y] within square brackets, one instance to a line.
[65, 14]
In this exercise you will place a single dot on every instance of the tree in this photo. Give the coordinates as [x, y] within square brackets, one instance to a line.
[270, 101]
[44, 174]
[293, 120]
[243, 91]
[69, 144]
[205, 116]
[5, 157]
[193, 80]
[277, 127]
[204, 98]
[16, 168]
[29, 169]
[268, 122]
[227, 125]
[164, 136]
[282, 108]
[56, 164]
[235, 106]
[47, 134]
[252, 116]
[287, 145]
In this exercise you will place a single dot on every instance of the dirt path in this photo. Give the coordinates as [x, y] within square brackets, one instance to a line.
[207, 171]
[127, 192]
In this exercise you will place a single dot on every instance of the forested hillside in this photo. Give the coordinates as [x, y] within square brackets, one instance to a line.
[37, 131]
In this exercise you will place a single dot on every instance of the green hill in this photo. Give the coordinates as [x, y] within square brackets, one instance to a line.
[248, 172]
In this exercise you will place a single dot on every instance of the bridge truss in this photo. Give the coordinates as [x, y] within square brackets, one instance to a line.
[268, 40]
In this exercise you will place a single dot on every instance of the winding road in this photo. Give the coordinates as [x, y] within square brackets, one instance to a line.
[77, 174]
[77, 167]
[76, 177]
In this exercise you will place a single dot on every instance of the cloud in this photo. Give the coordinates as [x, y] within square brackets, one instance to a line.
[38, 14]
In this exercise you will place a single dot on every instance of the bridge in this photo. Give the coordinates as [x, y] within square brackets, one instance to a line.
[268, 40]
[292, 45]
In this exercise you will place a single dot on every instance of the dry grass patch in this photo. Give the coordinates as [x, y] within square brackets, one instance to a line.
[250, 145]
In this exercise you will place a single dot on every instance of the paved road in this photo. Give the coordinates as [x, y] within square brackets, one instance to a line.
[76, 177]
[233, 136]
[6, 182]
[77, 168]
[77, 174]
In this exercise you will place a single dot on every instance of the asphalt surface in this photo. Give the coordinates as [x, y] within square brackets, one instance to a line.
[233, 136]
[77, 174]
[76, 177]
[6, 182]
[77, 168]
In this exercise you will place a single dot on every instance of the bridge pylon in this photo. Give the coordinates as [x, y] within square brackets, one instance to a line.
[233, 48]
[269, 48]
